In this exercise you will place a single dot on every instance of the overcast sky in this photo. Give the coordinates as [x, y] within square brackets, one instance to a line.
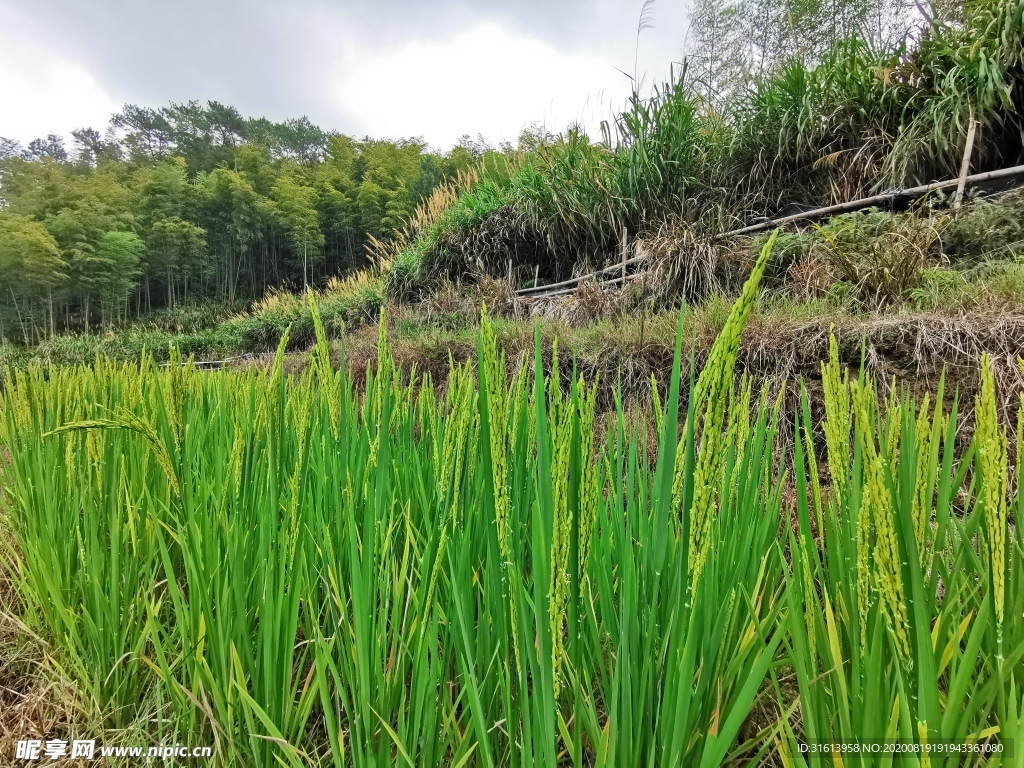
[387, 68]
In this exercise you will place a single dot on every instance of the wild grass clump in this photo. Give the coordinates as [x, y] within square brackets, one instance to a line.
[188, 317]
[567, 201]
[864, 119]
[986, 229]
[819, 133]
[352, 299]
[962, 260]
[869, 259]
[12, 357]
[991, 285]
[127, 344]
[302, 572]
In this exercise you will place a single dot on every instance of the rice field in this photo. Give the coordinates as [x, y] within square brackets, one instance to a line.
[303, 571]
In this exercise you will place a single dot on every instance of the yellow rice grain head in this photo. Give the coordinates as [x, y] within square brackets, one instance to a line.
[921, 511]
[836, 385]
[498, 407]
[711, 394]
[990, 443]
[589, 482]
[561, 437]
[877, 509]
[503, 414]
[659, 415]
[894, 424]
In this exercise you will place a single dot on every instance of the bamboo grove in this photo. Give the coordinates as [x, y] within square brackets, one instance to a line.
[195, 203]
[303, 571]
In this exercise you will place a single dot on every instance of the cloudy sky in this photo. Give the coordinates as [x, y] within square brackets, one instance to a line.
[387, 68]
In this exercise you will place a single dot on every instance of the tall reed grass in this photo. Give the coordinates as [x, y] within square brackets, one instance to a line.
[304, 573]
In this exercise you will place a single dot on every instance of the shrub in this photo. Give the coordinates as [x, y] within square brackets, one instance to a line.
[344, 300]
[986, 229]
[12, 357]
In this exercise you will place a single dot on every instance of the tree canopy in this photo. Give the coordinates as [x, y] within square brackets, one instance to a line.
[193, 200]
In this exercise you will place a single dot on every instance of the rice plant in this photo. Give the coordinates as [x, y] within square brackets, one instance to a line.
[303, 572]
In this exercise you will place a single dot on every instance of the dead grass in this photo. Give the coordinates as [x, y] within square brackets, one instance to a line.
[682, 261]
[783, 345]
[35, 703]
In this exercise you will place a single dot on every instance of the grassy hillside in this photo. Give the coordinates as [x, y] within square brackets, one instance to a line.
[857, 119]
[912, 293]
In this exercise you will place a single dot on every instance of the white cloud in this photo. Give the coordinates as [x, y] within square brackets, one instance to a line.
[40, 93]
[386, 68]
[481, 81]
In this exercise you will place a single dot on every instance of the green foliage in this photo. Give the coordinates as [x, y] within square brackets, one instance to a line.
[31, 266]
[129, 344]
[297, 214]
[213, 330]
[121, 255]
[886, 617]
[963, 70]
[28, 254]
[569, 199]
[290, 317]
[12, 358]
[469, 233]
[176, 248]
[821, 132]
[879, 255]
[989, 285]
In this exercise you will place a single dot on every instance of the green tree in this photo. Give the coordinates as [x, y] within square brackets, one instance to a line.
[175, 248]
[398, 209]
[335, 202]
[119, 255]
[163, 191]
[234, 213]
[371, 204]
[255, 164]
[31, 266]
[431, 174]
[718, 49]
[297, 215]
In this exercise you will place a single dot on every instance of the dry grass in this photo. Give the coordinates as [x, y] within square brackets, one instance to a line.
[782, 344]
[34, 701]
[682, 261]
[590, 303]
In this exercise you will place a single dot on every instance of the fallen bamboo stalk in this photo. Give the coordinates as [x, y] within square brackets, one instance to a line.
[581, 278]
[885, 197]
[815, 213]
[214, 363]
[573, 289]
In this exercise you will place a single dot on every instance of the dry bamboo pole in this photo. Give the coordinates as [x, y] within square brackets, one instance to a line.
[573, 289]
[580, 279]
[965, 166]
[625, 251]
[816, 213]
[885, 197]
